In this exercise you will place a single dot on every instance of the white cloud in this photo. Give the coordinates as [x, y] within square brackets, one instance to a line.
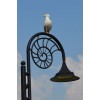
[75, 89]
[19, 59]
[41, 88]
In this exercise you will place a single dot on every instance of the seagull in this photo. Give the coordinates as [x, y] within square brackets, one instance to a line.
[47, 24]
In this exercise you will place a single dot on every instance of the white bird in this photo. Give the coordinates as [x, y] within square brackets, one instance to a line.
[47, 24]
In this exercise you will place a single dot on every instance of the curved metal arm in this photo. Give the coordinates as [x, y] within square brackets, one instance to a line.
[28, 56]
[63, 75]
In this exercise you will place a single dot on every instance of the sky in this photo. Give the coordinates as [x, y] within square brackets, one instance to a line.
[66, 16]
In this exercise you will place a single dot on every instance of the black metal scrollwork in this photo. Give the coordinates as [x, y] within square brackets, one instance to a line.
[42, 49]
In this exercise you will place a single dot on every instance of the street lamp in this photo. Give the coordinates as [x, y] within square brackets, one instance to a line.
[41, 47]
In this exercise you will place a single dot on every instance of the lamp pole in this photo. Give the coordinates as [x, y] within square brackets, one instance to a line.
[42, 55]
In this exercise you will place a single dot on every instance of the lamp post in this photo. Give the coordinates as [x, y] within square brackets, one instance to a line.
[41, 47]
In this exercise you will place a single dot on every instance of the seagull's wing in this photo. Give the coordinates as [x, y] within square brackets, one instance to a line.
[47, 27]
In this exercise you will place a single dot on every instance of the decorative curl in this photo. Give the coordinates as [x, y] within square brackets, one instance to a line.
[42, 50]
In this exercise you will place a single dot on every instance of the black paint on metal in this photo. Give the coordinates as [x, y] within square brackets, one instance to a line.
[23, 80]
[26, 71]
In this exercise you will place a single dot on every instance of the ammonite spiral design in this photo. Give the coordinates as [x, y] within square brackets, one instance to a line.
[42, 50]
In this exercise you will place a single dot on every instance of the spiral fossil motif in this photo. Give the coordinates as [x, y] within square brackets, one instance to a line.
[42, 50]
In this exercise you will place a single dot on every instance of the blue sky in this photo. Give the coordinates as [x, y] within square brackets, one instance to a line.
[66, 16]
